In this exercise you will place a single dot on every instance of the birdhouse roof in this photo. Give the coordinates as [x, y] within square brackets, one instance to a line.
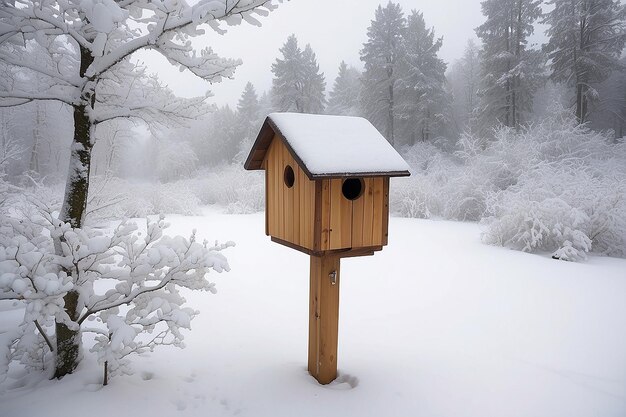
[329, 146]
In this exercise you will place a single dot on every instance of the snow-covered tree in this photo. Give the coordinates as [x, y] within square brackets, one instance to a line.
[226, 136]
[217, 138]
[148, 269]
[266, 103]
[464, 78]
[86, 41]
[248, 110]
[11, 148]
[288, 74]
[30, 124]
[423, 102]
[343, 99]
[298, 85]
[609, 111]
[511, 72]
[381, 55]
[109, 148]
[314, 84]
[175, 159]
[249, 116]
[586, 39]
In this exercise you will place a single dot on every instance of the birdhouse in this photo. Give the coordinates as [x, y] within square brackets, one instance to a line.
[327, 195]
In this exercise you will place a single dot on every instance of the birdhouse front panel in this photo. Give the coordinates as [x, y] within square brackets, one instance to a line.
[290, 198]
[354, 212]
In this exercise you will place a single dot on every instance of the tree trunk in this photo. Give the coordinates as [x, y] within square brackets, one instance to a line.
[390, 116]
[581, 103]
[34, 155]
[68, 346]
[68, 338]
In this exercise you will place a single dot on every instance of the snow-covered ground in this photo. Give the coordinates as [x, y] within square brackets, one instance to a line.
[437, 324]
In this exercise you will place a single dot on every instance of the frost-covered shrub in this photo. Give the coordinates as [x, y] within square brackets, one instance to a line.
[126, 282]
[420, 195]
[231, 186]
[555, 186]
[571, 197]
[175, 159]
[565, 210]
[112, 198]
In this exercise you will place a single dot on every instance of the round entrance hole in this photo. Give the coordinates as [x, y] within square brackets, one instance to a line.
[352, 188]
[289, 176]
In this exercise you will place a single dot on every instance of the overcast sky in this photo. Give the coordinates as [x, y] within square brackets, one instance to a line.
[336, 30]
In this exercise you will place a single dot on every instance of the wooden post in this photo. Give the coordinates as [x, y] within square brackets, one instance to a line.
[324, 317]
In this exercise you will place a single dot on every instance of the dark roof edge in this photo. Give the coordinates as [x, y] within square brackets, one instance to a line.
[260, 139]
[361, 174]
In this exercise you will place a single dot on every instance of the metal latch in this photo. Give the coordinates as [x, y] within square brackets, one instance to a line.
[333, 277]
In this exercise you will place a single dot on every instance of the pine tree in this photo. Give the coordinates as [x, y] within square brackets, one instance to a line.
[381, 55]
[586, 40]
[266, 103]
[422, 99]
[248, 109]
[609, 111]
[288, 74]
[298, 86]
[344, 97]
[313, 83]
[248, 121]
[469, 72]
[511, 73]
[464, 80]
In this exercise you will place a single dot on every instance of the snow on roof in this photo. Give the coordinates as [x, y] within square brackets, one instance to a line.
[330, 146]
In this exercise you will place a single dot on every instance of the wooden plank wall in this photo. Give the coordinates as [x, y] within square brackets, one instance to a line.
[290, 211]
[358, 223]
[344, 224]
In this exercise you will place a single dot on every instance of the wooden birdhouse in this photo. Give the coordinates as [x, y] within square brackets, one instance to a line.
[327, 195]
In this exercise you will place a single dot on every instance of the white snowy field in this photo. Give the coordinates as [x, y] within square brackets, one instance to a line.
[437, 324]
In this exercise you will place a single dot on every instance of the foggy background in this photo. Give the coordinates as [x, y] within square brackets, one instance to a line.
[336, 30]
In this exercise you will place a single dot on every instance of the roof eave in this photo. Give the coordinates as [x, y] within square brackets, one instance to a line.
[334, 175]
[255, 158]
[261, 144]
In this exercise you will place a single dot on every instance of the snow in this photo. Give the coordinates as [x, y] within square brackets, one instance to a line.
[337, 145]
[437, 324]
[103, 14]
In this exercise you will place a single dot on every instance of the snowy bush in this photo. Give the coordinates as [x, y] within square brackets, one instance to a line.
[175, 159]
[420, 195]
[567, 210]
[231, 186]
[126, 283]
[555, 186]
[116, 198]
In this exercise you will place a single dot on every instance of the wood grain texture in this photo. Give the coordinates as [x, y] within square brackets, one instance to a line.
[358, 211]
[317, 224]
[368, 212]
[377, 217]
[324, 318]
[289, 211]
[325, 202]
[385, 211]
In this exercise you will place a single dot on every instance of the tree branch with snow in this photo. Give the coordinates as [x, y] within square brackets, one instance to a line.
[82, 49]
